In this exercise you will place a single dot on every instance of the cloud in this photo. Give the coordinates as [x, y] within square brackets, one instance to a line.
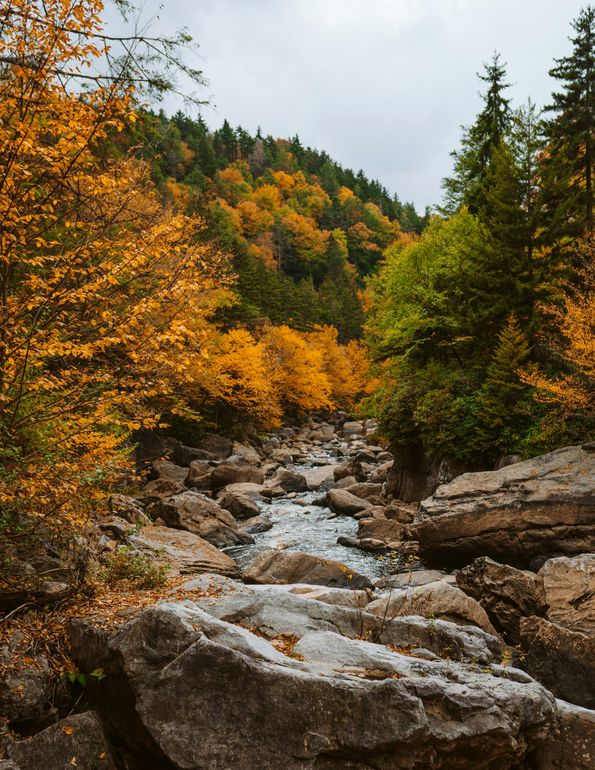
[382, 85]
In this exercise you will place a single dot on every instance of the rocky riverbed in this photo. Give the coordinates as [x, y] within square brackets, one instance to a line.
[317, 623]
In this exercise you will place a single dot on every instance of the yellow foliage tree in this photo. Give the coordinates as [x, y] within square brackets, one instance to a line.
[296, 370]
[574, 391]
[99, 281]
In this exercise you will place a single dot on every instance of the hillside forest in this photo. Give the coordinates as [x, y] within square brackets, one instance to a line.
[160, 274]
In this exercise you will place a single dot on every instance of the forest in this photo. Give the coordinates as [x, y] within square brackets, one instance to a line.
[292, 474]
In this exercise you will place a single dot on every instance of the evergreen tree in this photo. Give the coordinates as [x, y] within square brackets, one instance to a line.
[511, 210]
[472, 161]
[502, 409]
[568, 167]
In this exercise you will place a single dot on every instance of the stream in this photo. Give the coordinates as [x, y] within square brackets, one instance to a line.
[300, 525]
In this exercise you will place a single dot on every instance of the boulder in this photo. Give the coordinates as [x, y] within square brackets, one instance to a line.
[164, 469]
[240, 506]
[399, 513]
[25, 683]
[186, 553]
[366, 490]
[350, 468]
[209, 693]
[219, 446]
[199, 475]
[353, 428]
[297, 567]
[569, 585]
[281, 456]
[186, 455]
[387, 530]
[229, 473]
[345, 482]
[257, 524]
[320, 477]
[562, 660]
[411, 578]
[125, 507]
[247, 453]
[539, 507]
[434, 600]
[507, 594]
[380, 473]
[77, 741]
[254, 492]
[342, 502]
[571, 744]
[161, 488]
[289, 481]
[274, 612]
[201, 516]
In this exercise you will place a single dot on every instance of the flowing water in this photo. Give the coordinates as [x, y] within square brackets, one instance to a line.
[299, 525]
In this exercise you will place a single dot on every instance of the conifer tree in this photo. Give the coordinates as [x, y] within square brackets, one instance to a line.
[568, 168]
[472, 161]
[501, 405]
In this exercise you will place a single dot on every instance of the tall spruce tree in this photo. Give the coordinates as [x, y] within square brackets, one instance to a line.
[472, 162]
[512, 211]
[502, 410]
[568, 163]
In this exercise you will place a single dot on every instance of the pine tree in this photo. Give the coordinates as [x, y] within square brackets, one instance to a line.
[472, 161]
[568, 167]
[501, 404]
[512, 211]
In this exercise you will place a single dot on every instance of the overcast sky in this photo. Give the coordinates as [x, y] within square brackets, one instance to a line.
[382, 85]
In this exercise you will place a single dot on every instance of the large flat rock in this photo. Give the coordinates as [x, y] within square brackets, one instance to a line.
[220, 694]
[537, 508]
[186, 553]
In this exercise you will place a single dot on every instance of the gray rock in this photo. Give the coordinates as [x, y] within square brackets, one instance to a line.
[77, 741]
[507, 594]
[185, 552]
[543, 506]
[571, 743]
[434, 600]
[353, 428]
[342, 502]
[212, 694]
[569, 585]
[562, 660]
[297, 567]
[201, 516]
[412, 578]
[283, 613]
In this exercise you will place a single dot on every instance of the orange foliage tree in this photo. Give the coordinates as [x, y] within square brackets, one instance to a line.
[574, 391]
[97, 277]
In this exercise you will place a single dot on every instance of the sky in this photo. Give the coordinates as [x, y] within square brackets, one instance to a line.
[381, 85]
